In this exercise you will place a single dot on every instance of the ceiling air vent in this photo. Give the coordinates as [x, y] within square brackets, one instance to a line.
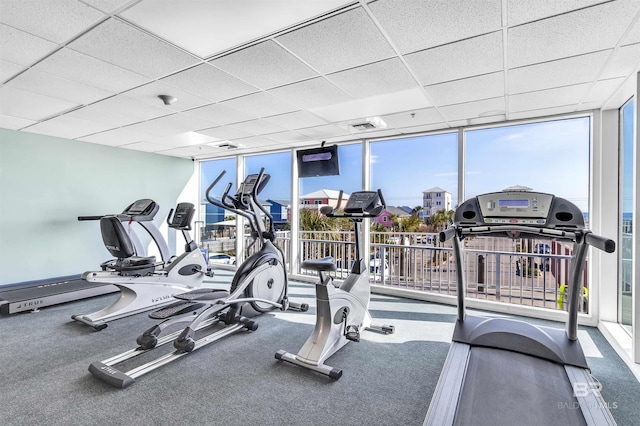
[227, 145]
[371, 123]
[363, 126]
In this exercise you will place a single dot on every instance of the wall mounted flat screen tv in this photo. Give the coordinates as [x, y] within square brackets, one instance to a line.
[321, 161]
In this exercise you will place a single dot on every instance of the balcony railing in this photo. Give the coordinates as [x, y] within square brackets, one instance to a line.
[521, 271]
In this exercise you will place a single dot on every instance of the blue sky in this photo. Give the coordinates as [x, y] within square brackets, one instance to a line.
[548, 157]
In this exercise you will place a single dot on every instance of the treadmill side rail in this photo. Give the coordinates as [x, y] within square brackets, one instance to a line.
[594, 408]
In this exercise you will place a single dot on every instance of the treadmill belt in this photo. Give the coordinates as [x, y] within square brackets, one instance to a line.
[509, 388]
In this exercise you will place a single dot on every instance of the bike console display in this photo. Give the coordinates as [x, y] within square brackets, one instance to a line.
[362, 202]
[182, 217]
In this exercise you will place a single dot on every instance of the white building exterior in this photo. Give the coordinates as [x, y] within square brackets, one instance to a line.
[435, 199]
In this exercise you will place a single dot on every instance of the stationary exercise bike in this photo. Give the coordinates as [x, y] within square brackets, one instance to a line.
[144, 283]
[259, 285]
[342, 311]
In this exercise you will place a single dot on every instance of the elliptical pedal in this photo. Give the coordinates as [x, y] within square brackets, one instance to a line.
[205, 294]
[177, 308]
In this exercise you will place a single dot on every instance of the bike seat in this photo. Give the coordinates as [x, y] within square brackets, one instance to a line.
[325, 264]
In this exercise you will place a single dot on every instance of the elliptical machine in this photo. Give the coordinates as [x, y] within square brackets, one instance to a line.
[259, 285]
[144, 283]
[342, 311]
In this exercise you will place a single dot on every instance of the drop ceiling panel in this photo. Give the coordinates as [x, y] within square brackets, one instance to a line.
[182, 139]
[417, 117]
[313, 93]
[467, 90]
[587, 30]
[374, 79]
[132, 109]
[601, 90]
[209, 82]
[219, 114]
[56, 87]
[145, 146]
[149, 95]
[100, 114]
[22, 48]
[296, 120]
[543, 112]
[326, 131]
[90, 71]
[373, 106]
[633, 36]
[191, 151]
[265, 65]
[14, 123]
[257, 127]
[562, 72]
[54, 20]
[561, 96]
[260, 104]
[9, 69]
[623, 62]
[346, 40]
[110, 6]
[475, 109]
[254, 142]
[521, 11]
[116, 137]
[32, 106]
[67, 127]
[225, 133]
[474, 56]
[288, 137]
[417, 24]
[171, 124]
[205, 28]
[120, 44]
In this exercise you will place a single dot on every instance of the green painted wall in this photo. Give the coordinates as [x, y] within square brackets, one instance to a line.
[47, 182]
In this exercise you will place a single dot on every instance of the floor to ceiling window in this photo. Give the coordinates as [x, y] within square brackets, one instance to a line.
[625, 252]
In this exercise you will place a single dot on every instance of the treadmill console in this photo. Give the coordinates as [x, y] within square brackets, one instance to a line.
[140, 207]
[362, 202]
[534, 209]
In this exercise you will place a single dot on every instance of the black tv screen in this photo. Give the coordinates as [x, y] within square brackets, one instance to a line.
[318, 162]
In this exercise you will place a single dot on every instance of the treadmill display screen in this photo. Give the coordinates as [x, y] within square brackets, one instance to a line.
[514, 204]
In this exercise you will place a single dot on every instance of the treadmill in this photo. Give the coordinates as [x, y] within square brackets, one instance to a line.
[33, 295]
[506, 372]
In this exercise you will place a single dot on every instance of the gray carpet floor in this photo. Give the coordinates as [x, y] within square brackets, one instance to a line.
[387, 379]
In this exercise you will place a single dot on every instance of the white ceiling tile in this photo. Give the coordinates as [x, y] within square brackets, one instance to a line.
[225, 133]
[100, 114]
[561, 96]
[199, 151]
[260, 104]
[313, 93]
[22, 48]
[417, 24]
[182, 139]
[32, 106]
[265, 65]
[133, 109]
[56, 87]
[208, 27]
[326, 131]
[67, 127]
[149, 94]
[253, 141]
[521, 11]
[55, 20]
[257, 127]
[467, 90]
[172, 124]
[90, 71]
[422, 128]
[474, 56]
[582, 31]
[376, 105]
[109, 6]
[374, 79]
[287, 137]
[417, 117]
[8, 69]
[486, 107]
[121, 44]
[14, 123]
[633, 36]
[602, 89]
[339, 42]
[623, 62]
[543, 112]
[296, 120]
[209, 82]
[116, 137]
[219, 114]
[145, 146]
[562, 72]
